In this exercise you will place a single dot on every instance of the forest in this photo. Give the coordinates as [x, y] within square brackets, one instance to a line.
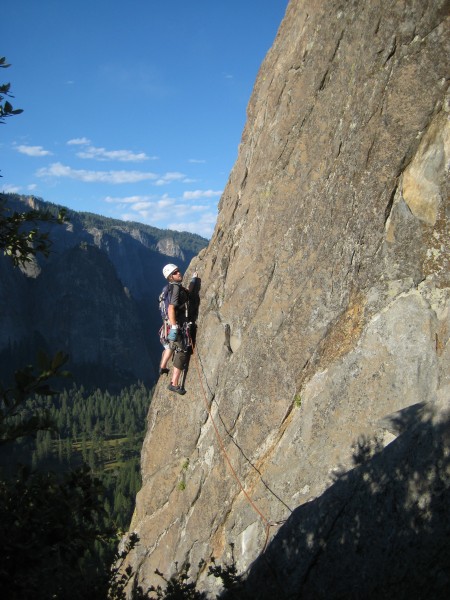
[94, 428]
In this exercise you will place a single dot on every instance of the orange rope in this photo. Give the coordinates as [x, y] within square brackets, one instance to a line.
[268, 523]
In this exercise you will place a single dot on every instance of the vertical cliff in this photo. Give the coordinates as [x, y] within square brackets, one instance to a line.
[324, 300]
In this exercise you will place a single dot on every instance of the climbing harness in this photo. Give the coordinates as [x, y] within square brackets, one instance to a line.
[164, 300]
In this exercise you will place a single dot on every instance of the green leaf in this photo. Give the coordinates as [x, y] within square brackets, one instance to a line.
[59, 359]
[43, 361]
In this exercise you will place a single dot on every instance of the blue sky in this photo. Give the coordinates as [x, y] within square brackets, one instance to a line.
[132, 110]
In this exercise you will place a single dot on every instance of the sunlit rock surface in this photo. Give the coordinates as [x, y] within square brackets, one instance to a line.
[324, 310]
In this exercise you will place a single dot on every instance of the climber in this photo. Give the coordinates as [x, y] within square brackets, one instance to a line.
[174, 333]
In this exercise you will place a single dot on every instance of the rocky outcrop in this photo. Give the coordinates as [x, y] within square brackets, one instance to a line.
[324, 303]
[168, 247]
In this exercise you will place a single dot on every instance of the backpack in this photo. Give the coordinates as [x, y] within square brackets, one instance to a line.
[164, 299]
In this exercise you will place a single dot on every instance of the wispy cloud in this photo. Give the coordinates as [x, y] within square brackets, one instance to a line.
[79, 142]
[144, 205]
[203, 226]
[102, 154]
[11, 189]
[121, 155]
[33, 150]
[169, 177]
[166, 212]
[128, 199]
[197, 161]
[115, 177]
[153, 213]
[195, 195]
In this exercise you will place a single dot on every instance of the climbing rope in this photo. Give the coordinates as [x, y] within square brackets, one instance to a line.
[268, 524]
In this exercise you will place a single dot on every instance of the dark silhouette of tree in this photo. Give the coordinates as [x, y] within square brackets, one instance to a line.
[6, 108]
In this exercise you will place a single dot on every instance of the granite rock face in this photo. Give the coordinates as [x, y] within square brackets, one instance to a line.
[325, 297]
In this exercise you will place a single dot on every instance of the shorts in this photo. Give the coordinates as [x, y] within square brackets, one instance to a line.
[180, 353]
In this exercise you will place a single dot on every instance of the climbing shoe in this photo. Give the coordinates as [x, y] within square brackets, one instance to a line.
[176, 388]
[164, 371]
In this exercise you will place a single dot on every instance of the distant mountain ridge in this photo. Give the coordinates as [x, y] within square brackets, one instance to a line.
[95, 297]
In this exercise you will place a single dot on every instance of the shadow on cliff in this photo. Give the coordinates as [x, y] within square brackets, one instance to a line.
[194, 307]
[380, 530]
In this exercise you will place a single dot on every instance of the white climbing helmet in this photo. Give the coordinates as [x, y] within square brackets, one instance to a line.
[169, 269]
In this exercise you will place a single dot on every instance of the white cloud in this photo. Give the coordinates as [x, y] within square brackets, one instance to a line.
[165, 201]
[151, 215]
[203, 226]
[166, 212]
[114, 177]
[169, 177]
[31, 187]
[79, 142]
[150, 209]
[92, 152]
[197, 161]
[141, 206]
[199, 208]
[181, 210]
[155, 200]
[126, 199]
[33, 150]
[11, 189]
[201, 194]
